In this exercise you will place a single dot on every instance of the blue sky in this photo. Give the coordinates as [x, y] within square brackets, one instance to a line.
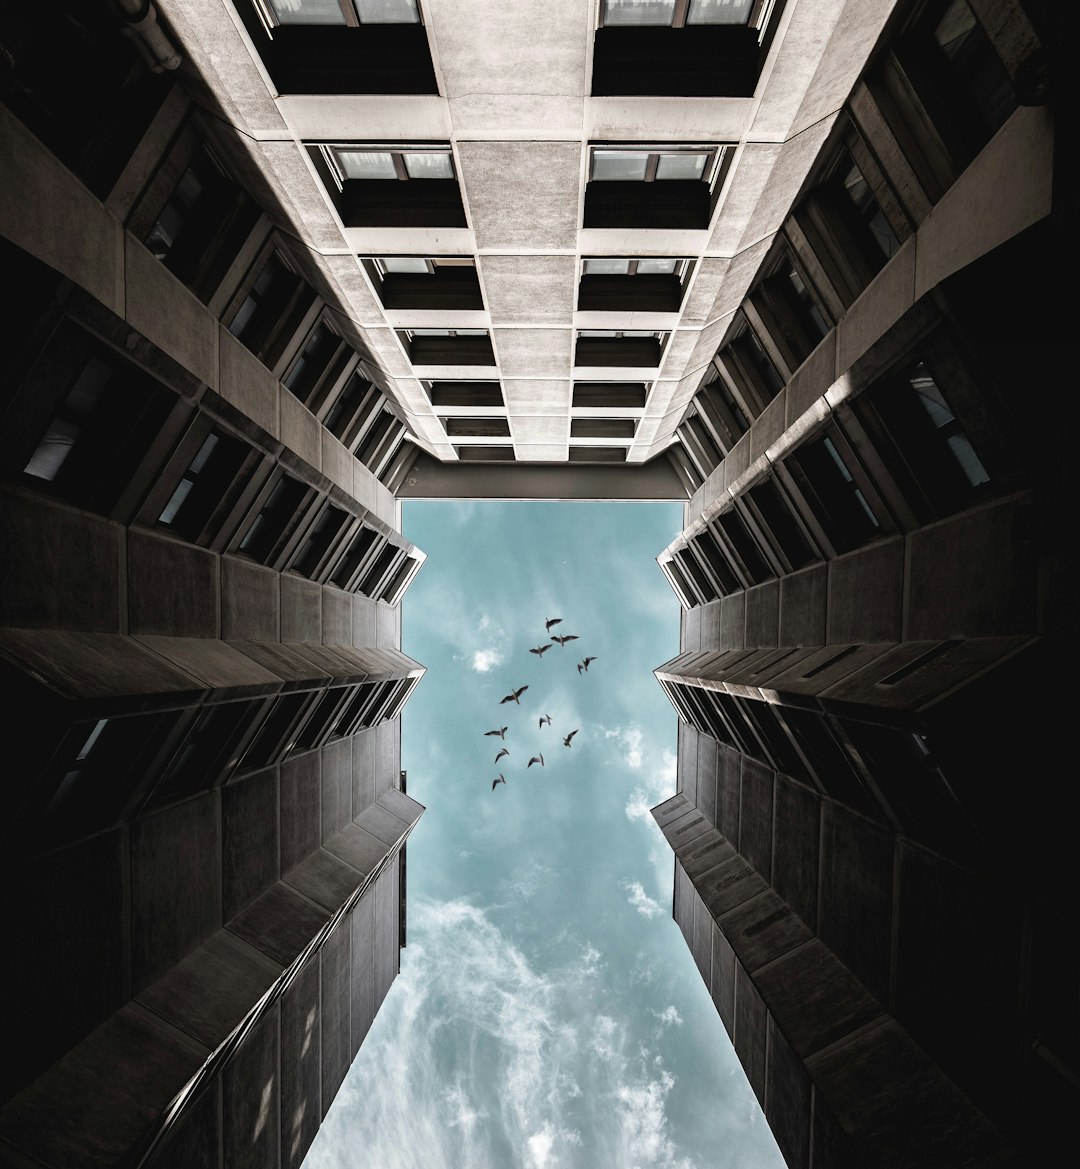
[548, 1014]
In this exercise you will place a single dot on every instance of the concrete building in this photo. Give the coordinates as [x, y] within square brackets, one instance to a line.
[279, 264]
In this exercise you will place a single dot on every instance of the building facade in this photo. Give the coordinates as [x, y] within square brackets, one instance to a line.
[279, 264]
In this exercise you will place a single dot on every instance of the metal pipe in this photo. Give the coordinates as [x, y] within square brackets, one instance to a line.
[141, 17]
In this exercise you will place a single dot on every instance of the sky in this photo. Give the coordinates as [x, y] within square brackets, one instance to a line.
[548, 1014]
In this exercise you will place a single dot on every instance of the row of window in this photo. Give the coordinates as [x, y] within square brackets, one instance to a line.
[941, 72]
[111, 769]
[916, 445]
[91, 427]
[885, 772]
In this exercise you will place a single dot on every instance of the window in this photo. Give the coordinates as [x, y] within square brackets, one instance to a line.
[631, 266]
[721, 410]
[343, 12]
[476, 427]
[852, 184]
[323, 352]
[449, 346]
[375, 575]
[347, 411]
[96, 415]
[420, 265]
[394, 164]
[790, 312]
[271, 301]
[204, 485]
[277, 734]
[619, 347]
[277, 516]
[974, 64]
[655, 164]
[312, 552]
[356, 555]
[835, 489]
[677, 13]
[745, 361]
[779, 522]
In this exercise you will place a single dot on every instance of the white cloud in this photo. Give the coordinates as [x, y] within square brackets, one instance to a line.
[478, 1059]
[669, 1016]
[630, 740]
[641, 901]
[484, 660]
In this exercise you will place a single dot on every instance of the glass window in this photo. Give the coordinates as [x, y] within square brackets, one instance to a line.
[656, 267]
[204, 485]
[836, 498]
[944, 420]
[624, 12]
[720, 11]
[607, 267]
[367, 164]
[308, 11]
[429, 166]
[619, 166]
[975, 63]
[311, 361]
[348, 402]
[805, 301]
[319, 539]
[258, 314]
[81, 403]
[857, 190]
[387, 11]
[276, 513]
[407, 265]
[682, 166]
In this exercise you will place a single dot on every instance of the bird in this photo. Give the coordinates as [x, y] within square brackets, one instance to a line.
[503, 752]
[566, 741]
[541, 650]
[501, 732]
[552, 621]
[563, 640]
[583, 665]
[546, 719]
[535, 759]
[501, 779]
[515, 696]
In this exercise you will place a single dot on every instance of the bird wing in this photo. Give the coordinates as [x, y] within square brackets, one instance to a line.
[570, 637]
[552, 621]
[578, 670]
[499, 733]
[494, 782]
[503, 752]
[531, 762]
[508, 698]
[572, 734]
[518, 693]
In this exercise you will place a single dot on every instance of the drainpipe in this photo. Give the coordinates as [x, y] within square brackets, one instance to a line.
[152, 40]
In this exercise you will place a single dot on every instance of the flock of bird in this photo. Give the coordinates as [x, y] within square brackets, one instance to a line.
[515, 697]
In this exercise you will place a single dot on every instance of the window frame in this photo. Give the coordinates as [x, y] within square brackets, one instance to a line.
[351, 18]
[396, 150]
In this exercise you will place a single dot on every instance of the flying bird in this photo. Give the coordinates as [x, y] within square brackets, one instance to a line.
[501, 779]
[515, 696]
[535, 759]
[501, 732]
[503, 752]
[583, 665]
[564, 640]
[552, 621]
[566, 741]
[546, 720]
[541, 650]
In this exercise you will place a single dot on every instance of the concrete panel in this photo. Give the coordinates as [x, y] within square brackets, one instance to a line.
[280, 923]
[802, 606]
[244, 382]
[699, 300]
[387, 626]
[795, 862]
[362, 929]
[387, 755]
[865, 594]
[382, 824]
[722, 987]
[337, 617]
[300, 807]
[214, 664]
[250, 1100]
[687, 766]
[175, 885]
[741, 271]
[301, 196]
[690, 637]
[69, 574]
[706, 784]
[387, 931]
[751, 1025]
[363, 626]
[701, 947]
[810, 381]
[728, 791]
[249, 837]
[529, 289]
[539, 353]
[301, 1061]
[364, 764]
[172, 587]
[51, 215]
[335, 996]
[301, 609]
[987, 204]
[763, 614]
[300, 430]
[768, 427]
[336, 787]
[710, 625]
[951, 593]
[525, 396]
[521, 194]
[76, 979]
[815, 999]
[148, 1062]
[855, 901]
[729, 885]
[196, 1140]
[324, 879]
[208, 993]
[704, 854]
[732, 621]
[787, 1100]
[167, 314]
[336, 461]
[763, 929]
[249, 601]
[357, 848]
[880, 305]
[756, 816]
[531, 430]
